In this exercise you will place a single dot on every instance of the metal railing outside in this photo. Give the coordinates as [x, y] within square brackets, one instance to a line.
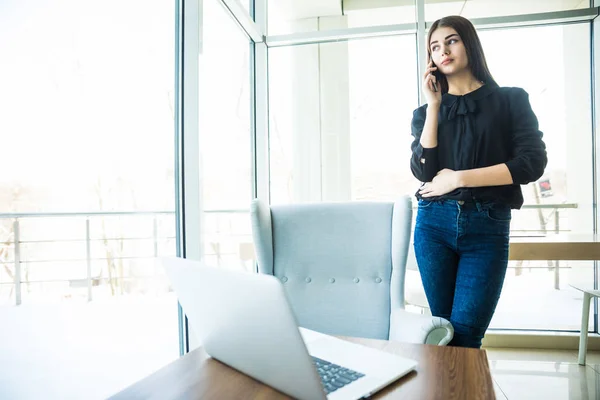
[549, 224]
[15, 240]
[555, 215]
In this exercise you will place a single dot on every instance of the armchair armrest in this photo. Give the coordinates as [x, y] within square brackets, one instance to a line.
[416, 328]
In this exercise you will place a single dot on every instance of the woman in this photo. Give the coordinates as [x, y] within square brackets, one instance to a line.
[474, 144]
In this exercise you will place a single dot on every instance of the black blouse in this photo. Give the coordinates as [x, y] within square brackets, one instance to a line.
[491, 125]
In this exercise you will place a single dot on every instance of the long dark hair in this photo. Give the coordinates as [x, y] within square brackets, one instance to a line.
[475, 56]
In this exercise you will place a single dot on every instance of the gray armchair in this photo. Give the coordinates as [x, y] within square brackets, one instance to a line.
[343, 266]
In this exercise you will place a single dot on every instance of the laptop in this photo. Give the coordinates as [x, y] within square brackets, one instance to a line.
[244, 320]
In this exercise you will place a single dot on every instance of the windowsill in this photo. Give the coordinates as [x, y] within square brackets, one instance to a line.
[538, 340]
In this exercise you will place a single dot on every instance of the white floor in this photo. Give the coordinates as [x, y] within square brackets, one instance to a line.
[93, 350]
[84, 350]
[544, 374]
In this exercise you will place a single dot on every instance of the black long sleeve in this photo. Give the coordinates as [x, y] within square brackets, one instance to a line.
[424, 161]
[489, 126]
[529, 157]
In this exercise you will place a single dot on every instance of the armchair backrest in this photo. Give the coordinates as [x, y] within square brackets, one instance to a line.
[342, 264]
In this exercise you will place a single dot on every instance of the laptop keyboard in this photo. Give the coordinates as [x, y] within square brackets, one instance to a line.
[334, 376]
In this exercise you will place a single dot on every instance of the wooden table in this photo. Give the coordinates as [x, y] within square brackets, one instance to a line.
[585, 247]
[560, 247]
[442, 373]
[556, 247]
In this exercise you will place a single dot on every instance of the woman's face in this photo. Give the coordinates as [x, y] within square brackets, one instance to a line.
[448, 51]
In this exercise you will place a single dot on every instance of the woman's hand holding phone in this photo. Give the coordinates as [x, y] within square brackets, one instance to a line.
[431, 86]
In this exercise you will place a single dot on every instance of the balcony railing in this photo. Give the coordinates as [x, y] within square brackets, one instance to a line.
[226, 238]
[544, 221]
[96, 239]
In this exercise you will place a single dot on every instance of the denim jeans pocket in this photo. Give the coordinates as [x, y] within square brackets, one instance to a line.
[424, 203]
[499, 213]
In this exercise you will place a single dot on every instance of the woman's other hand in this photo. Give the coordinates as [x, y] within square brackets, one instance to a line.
[444, 182]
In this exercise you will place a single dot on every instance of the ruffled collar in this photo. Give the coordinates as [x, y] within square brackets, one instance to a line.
[460, 105]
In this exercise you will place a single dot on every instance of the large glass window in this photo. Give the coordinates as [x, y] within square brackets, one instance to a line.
[225, 141]
[340, 130]
[87, 196]
[337, 129]
[552, 64]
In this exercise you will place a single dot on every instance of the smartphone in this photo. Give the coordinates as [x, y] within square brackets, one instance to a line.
[435, 73]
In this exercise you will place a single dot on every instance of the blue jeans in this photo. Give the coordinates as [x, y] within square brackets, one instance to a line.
[462, 254]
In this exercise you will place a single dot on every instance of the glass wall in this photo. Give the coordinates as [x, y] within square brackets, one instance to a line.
[87, 196]
[225, 141]
[562, 200]
[340, 130]
[336, 123]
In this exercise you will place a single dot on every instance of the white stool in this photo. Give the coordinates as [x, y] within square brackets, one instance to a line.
[588, 294]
